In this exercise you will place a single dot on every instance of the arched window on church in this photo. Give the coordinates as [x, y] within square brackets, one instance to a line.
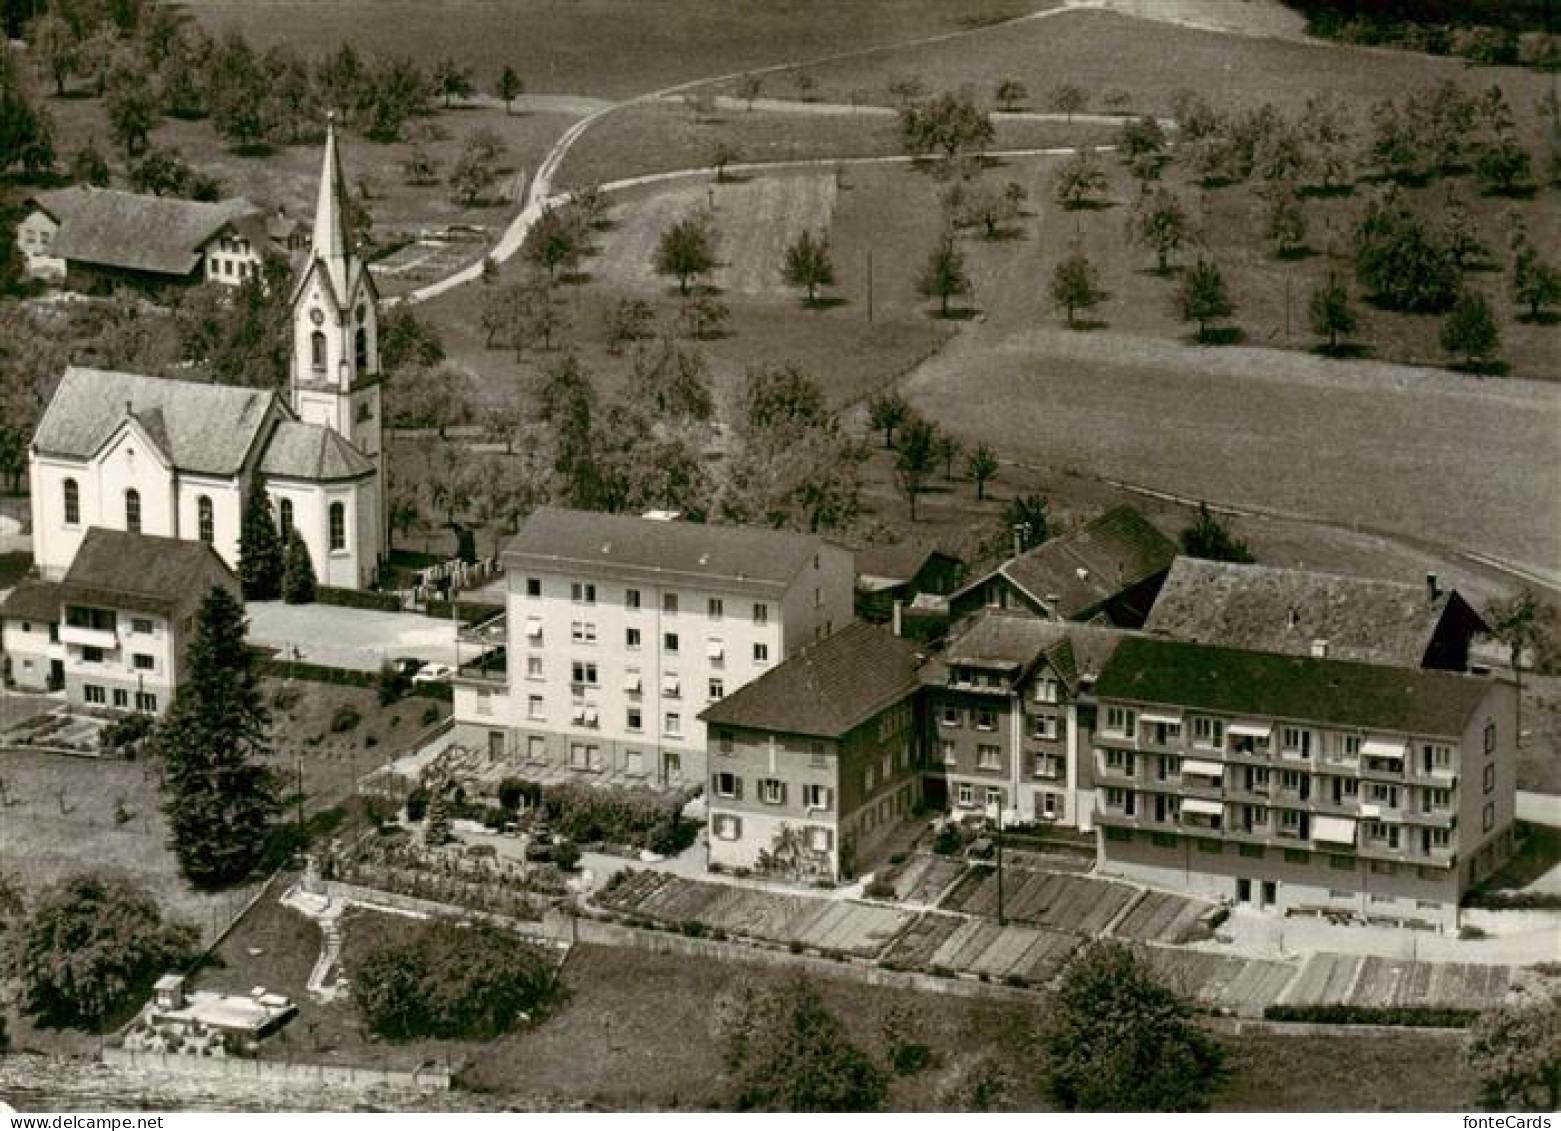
[133, 511]
[338, 526]
[317, 350]
[360, 349]
[286, 511]
[72, 503]
[206, 519]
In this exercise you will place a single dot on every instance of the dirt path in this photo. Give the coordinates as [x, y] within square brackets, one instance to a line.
[1267, 19]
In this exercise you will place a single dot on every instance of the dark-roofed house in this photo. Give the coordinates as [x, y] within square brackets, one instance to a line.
[1009, 717]
[814, 763]
[622, 629]
[890, 573]
[1106, 571]
[178, 459]
[30, 637]
[1300, 783]
[98, 236]
[1299, 612]
[127, 612]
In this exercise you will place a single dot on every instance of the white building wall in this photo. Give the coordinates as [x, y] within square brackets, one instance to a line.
[34, 237]
[31, 652]
[117, 672]
[227, 505]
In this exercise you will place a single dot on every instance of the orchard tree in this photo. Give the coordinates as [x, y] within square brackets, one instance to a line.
[1028, 515]
[1285, 221]
[476, 170]
[723, 153]
[808, 265]
[1331, 311]
[749, 87]
[1210, 539]
[51, 39]
[951, 124]
[915, 459]
[687, 250]
[946, 451]
[260, 558]
[1141, 141]
[220, 797]
[1078, 180]
[508, 87]
[944, 276]
[1401, 263]
[1535, 283]
[1075, 286]
[1160, 224]
[1505, 167]
[981, 466]
[1470, 330]
[1011, 94]
[703, 315]
[888, 411]
[452, 81]
[1203, 297]
[1067, 99]
[131, 104]
[1515, 1050]
[553, 242]
[88, 166]
[1117, 1039]
[91, 949]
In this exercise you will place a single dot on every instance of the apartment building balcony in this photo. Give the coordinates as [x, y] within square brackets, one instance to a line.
[1121, 819]
[488, 670]
[83, 637]
[1407, 854]
[1433, 818]
[491, 633]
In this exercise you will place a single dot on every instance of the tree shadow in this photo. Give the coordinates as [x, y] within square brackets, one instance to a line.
[1089, 205]
[253, 149]
[575, 278]
[1220, 336]
[825, 302]
[1295, 254]
[1488, 367]
[1325, 192]
[956, 314]
[1345, 351]
[1088, 325]
[1516, 192]
[733, 178]
[1543, 318]
[1004, 233]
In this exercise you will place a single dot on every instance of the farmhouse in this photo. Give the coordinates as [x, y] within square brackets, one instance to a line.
[1297, 612]
[1301, 783]
[1010, 715]
[814, 763]
[619, 630]
[97, 237]
[898, 573]
[126, 614]
[30, 637]
[178, 459]
[1107, 571]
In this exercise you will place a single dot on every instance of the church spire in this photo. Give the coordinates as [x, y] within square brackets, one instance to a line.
[331, 245]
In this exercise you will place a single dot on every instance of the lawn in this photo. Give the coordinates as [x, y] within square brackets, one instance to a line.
[600, 47]
[1344, 1071]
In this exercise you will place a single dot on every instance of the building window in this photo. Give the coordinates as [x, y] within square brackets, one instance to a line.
[582, 592]
[286, 511]
[94, 693]
[761, 653]
[1046, 690]
[1488, 817]
[949, 717]
[994, 797]
[485, 702]
[986, 720]
[716, 608]
[1297, 856]
[1208, 733]
[144, 663]
[815, 797]
[761, 613]
[121, 697]
[146, 701]
[72, 503]
[582, 632]
[133, 511]
[634, 721]
[141, 626]
[360, 349]
[728, 827]
[1120, 720]
[631, 598]
[533, 587]
[988, 757]
[533, 667]
[1490, 778]
[772, 792]
[950, 752]
[1438, 799]
[1438, 757]
[631, 639]
[717, 689]
[317, 351]
[534, 708]
[338, 524]
[205, 519]
[582, 671]
[674, 723]
[536, 748]
[669, 602]
[727, 785]
[669, 643]
[1490, 737]
[91, 655]
[967, 795]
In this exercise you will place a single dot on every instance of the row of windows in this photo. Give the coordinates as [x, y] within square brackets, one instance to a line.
[584, 593]
[318, 353]
[144, 700]
[141, 661]
[729, 826]
[205, 515]
[589, 715]
[771, 791]
[584, 632]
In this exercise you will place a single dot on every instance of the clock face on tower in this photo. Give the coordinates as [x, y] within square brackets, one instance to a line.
[317, 316]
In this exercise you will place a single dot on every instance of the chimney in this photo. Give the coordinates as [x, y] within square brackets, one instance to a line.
[896, 621]
[1320, 649]
[1433, 589]
[1018, 539]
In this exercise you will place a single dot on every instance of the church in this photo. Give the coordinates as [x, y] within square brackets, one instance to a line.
[178, 459]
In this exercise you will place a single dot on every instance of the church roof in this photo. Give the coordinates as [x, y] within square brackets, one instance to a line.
[312, 451]
[202, 428]
[115, 569]
[157, 234]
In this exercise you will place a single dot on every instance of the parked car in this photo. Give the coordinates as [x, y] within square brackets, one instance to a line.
[433, 673]
[407, 665]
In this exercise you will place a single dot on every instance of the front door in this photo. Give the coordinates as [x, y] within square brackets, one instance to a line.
[495, 746]
[1243, 891]
[671, 766]
[1270, 893]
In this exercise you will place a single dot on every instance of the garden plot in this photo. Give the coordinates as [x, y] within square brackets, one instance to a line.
[926, 878]
[1047, 899]
[973, 946]
[1162, 917]
[756, 221]
[836, 925]
[1338, 979]
[1243, 985]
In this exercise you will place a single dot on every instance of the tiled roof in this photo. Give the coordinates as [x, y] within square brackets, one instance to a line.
[1010, 640]
[560, 538]
[159, 234]
[1267, 685]
[827, 688]
[898, 561]
[143, 572]
[32, 600]
[1088, 566]
[204, 428]
[312, 451]
[1285, 610]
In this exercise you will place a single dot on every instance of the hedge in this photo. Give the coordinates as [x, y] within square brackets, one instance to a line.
[357, 599]
[1408, 1016]
[1514, 900]
[282, 668]
[467, 612]
[643, 818]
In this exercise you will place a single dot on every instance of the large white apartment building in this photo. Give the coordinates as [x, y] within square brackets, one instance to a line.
[620, 630]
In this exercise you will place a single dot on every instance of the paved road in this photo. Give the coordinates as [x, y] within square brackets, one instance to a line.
[1540, 808]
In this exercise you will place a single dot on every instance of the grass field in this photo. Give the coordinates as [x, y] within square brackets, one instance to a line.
[600, 47]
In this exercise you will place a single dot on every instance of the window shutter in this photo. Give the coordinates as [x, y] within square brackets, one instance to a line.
[737, 788]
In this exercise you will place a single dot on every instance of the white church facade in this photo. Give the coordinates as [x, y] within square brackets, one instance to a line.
[178, 459]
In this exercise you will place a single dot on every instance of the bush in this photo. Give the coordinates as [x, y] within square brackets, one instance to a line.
[882, 887]
[949, 841]
[126, 731]
[393, 683]
[1514, 900]
[417, 804]
[639, 817]
[357, 599]
[514, 792]
[693, 928]
[431, 714]
[566, 855]
[1409, 1016]
[346, 718]
[451, 981]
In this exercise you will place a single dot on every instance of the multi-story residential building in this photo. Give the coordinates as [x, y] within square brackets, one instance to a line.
[1299, 612]
[127, 614]
[1009, 718]
[814, 763]
[1302, 783]
[30, 637]
[620, 630]
[1107, 571]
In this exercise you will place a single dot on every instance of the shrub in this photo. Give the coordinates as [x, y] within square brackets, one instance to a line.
[393, 683]
[451, 981]
[882, 887]
[638, 817]
[126, 732]
[949, 841]
[566, 855]
[513, 792]
[346, 718]
[431, 714]
[693, 928]
[417, 804]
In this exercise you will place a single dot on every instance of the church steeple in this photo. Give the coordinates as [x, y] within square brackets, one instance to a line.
[331, 245]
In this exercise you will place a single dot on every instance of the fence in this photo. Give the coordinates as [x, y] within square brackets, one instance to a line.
[425, 1079]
